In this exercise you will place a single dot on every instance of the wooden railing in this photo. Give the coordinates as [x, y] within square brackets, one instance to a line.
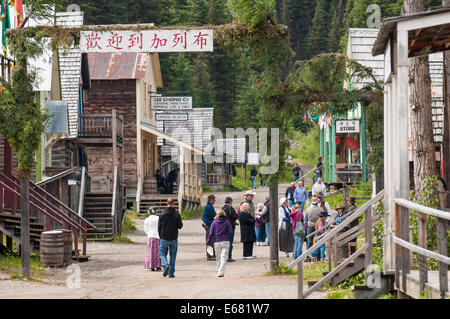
[118, 202]
[404, 247]
[52, 209]
[101, 125]
[335, 239]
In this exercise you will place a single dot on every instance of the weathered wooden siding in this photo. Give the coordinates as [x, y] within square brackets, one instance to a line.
[100, 167]
[64, 154]
[2, 150]
[102, 98]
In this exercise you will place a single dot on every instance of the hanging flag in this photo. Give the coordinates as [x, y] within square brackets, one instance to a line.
[19, 11]
[6, 24]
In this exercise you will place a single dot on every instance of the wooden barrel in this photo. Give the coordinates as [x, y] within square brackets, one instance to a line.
[67, 246]
[51, 249]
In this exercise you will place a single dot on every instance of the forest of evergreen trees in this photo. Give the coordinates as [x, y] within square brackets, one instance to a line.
[222, 79]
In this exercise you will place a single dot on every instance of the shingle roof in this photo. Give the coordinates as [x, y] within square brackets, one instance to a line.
[199, 126]
[70, 69]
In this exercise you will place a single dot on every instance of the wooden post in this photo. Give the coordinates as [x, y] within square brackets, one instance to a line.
[368, 255]
[300, 280]
[25, 226]
[422, 240]
[273, 223]
[114, 139]
[404, 213]
[441, 228]
[345, 196]
[7, 169]
[398, 249]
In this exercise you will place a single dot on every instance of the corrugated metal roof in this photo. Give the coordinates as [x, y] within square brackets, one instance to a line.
[117, 66]
[199, 126]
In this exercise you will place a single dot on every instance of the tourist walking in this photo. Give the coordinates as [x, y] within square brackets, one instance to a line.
[232, 216]
[289, 194]
[207, 218]
[261, 181]
[266, 219]
[220, 233]
[253, 174]
[319, 168]
[152, 258]
[296, 170]
[259, 226]
[300, 195]
[299, 233]
[248, 234]
[286, 238]
[319, 187]
[311, 217]
[168, 224]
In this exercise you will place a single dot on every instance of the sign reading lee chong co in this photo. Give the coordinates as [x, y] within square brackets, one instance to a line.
[347, 126]
[147, 41]
[162, 103]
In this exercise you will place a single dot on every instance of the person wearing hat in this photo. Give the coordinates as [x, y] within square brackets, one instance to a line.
[152, 259]
[208, 217]
[338, 218]
[285, 234]
[311, 217]
[249, 195]
[320, 230]
[324, 205]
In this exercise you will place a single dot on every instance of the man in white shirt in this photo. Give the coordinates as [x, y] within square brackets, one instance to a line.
[319, 187]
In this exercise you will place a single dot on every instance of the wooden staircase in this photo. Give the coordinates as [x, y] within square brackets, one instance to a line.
[97, 210]
[10, 225]
[158, 201]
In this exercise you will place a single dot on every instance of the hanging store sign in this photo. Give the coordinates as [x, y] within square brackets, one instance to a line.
[171, 116]
[171, 103]
[147, 41]
[347, 126]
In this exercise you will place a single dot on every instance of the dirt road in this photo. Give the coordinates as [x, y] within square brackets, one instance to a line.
[116, 270]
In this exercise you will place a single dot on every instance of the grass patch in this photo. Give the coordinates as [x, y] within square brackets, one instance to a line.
[314, 271]
[206, 189]
[341, 294]
[129, 225]
[283, 270]
[191, 214]
[122, 239]
[12, 265]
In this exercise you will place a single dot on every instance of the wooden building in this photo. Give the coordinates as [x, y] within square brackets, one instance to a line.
[399, 39]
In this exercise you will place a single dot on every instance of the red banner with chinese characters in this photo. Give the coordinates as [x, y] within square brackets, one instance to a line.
[147, 41]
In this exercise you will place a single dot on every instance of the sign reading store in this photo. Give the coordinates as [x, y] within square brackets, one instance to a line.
[347, 126]
[163, 103]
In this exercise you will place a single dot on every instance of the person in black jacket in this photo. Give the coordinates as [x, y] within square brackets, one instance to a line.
[168, 224]
[248, 233]
[232, 216]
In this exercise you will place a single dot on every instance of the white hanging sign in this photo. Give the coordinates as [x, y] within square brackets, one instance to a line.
[171, 102]
[347, 126]
[147, 41]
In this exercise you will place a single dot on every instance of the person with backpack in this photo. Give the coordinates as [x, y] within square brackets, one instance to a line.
[299, 230]
[232, 216]
[168, 224]
[289, 194]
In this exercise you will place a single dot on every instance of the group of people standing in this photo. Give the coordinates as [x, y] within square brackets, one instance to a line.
[296, 226]
[220, 228]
